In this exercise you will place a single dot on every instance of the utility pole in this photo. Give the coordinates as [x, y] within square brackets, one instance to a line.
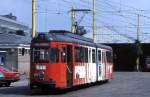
[33, 17]
[94, 21]
[73, 20]
[138, 28]
[138, 43]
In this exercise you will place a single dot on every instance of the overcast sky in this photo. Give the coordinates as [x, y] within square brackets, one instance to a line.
[54, 14]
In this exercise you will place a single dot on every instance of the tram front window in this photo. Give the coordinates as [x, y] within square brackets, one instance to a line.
[40, 55]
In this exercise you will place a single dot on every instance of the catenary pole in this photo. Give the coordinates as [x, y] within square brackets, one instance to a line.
[94, 21]
[33, 18]
[73, 20]
[138, 32]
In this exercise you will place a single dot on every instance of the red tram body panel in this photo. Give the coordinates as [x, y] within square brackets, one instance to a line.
[62, 59]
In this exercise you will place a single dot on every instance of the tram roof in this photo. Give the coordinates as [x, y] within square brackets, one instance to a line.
[66, 36]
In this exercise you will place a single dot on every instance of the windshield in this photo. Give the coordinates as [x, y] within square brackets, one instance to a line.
[40, 55]
[5, 69]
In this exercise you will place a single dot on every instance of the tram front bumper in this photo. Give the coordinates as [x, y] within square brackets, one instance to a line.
[43, 84]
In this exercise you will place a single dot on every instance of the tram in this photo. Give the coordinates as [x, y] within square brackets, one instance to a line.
[61, 59]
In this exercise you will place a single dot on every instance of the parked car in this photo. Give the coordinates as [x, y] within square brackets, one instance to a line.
[7, 76]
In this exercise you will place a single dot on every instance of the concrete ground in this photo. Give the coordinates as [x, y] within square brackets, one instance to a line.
[124, 84]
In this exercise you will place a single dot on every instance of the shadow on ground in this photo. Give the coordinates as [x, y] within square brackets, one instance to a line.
[25, 90]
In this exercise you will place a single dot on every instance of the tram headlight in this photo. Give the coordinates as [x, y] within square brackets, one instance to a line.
[40, 67]
[44, 67]
[37, 67]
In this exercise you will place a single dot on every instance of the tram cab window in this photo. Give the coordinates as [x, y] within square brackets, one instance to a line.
[40, 55]
[63, 55]
[99, 55]
[93, 56]
[54, 55]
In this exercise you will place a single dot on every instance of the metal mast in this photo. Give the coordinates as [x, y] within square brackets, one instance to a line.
[94, 21]
[138, 43]
[33, 18]
[138, 29]
[73, 20]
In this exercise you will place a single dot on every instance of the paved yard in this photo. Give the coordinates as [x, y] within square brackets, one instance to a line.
[124, 84]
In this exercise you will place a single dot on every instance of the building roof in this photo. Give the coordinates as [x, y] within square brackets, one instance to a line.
[10, 39]
[13, 21]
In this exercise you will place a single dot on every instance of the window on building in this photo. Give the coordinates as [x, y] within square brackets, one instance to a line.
[26, 51]
[20, 51]
[23, 51]
[2, 60]
[63, 55]
[29, 52]
[93, 56]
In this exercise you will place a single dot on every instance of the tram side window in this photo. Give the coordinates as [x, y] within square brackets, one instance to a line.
[89, 55]
[77, 54]
[93, 56]
[63, 55]
[99, 55]
[103, 57]
[109, 57]
[54, 55]
[81, 54]
[86, 55]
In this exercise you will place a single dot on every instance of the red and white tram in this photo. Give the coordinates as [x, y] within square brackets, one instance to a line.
[61, 59]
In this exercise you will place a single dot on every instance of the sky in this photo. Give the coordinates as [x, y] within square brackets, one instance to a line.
[115, 15]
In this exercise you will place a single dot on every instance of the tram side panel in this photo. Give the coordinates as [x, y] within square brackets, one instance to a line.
[109, 64]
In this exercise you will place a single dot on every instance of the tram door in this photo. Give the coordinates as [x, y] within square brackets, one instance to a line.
[69, 66]
[104, 64]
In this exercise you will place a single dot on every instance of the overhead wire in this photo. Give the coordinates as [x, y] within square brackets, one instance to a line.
[123, 16]
[115, 11]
